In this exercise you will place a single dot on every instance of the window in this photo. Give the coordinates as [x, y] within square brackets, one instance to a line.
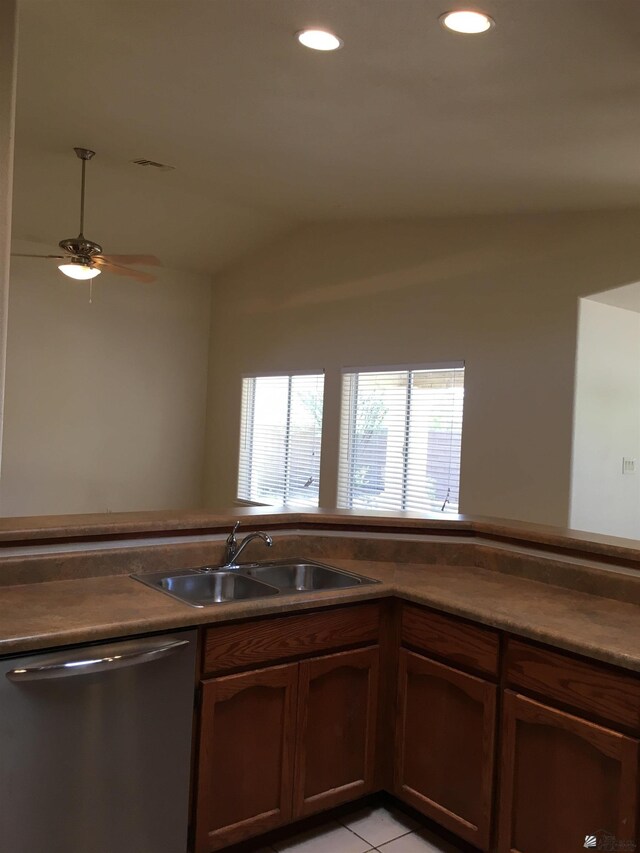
[400, 439]
[280, 439]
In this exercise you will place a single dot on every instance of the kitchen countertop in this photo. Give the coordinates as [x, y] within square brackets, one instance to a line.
[65, 612]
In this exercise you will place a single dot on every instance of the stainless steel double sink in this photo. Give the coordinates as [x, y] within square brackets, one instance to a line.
[204, 586]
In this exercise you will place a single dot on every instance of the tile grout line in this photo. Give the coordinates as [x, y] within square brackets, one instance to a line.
[353, 832]
[366, 840]
[371, 849]
[403, 835]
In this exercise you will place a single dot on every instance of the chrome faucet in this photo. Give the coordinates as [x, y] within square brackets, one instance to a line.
[235, 548]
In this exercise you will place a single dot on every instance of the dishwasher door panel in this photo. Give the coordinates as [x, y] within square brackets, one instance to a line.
[95, 748]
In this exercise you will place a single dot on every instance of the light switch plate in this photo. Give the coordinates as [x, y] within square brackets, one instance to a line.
[628, 465]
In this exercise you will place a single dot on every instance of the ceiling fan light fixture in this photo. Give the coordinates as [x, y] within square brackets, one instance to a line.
[79, 270]
[467, 21]
[83, 259]
[319, 39]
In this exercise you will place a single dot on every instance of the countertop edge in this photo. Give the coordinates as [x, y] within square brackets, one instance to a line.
[289, 605]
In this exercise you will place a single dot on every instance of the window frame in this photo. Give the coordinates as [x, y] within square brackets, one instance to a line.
[345, 480]
[248, 469]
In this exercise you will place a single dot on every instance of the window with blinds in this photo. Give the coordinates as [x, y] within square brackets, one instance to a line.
[400, 439]
[281, 431]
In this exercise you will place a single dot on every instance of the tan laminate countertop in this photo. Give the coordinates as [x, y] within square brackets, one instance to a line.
[66, 612]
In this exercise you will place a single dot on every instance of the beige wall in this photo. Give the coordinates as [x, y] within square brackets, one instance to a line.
[607, 421]
[499, 292]
[105, 402]
[8, 80]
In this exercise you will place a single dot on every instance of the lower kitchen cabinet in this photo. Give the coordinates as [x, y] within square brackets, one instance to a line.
[285, 740]
[281, 741]
[563, 778]
[336, 732]
[246, 755]
[445, 745]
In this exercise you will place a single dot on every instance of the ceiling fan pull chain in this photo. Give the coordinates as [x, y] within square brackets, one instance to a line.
[90, 291]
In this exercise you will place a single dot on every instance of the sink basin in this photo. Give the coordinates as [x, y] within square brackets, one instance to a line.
[200, 588]
[294, 575]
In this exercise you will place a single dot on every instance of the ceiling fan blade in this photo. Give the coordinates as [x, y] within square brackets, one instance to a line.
[20, 255]
[108, 266]
[145, 260]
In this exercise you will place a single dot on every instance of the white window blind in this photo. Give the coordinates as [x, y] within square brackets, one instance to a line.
[280, 439]
[400, 439]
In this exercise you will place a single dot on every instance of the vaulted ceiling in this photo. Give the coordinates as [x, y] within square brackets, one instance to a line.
[541, 113]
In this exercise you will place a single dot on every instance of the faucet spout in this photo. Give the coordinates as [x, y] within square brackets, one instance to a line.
[235, 548]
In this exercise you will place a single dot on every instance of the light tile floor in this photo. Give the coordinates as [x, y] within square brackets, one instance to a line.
[370, 829]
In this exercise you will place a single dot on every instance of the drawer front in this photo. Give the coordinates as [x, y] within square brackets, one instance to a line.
[610, 695]
[451, 639]
[246, 644]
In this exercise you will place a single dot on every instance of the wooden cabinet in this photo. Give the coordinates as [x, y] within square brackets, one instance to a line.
[582, 686]
[246, 756]
[281, 742]
[303, 712]
[246, 645]
[456, 641]
[445, 745]
[446, 721]
[336, 732]
[563, 778]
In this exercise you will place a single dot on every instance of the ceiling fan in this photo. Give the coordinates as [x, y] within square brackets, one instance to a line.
[83, 259]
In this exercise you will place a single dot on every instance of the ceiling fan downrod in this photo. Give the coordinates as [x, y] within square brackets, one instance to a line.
[84, 154]
[79, 245]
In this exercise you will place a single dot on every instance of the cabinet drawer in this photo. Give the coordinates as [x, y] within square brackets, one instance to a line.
[610, 695]
[451, 639]
[245, 644]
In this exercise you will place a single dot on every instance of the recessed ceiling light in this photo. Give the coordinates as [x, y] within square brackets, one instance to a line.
[466, 21]
[319, 39]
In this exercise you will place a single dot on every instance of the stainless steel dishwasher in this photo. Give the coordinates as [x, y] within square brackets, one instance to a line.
[95, 747]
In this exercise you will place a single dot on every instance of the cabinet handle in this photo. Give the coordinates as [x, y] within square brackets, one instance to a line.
[99, 659]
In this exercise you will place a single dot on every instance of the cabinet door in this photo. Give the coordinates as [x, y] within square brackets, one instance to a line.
[337, 705]
[246, 756]
[445, 745]
[563, 778]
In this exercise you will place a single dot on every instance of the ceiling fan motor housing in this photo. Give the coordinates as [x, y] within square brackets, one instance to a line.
[80, 247]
